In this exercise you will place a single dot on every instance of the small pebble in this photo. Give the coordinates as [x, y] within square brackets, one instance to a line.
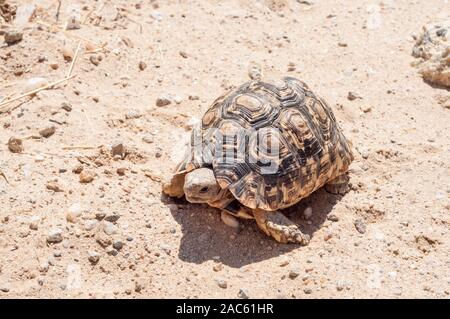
[12, 36]
[78, 169]
[243, 294]
[222, 283]
[86, 176]
[54, 236]
[54, 186]
[48, 131]
[294, 273]
[163, 100]
[360, 225]
[307, 213]
[112, 217]
[353, 96]
[148, 139]
[90, 224]
[118, 149]
[109, 228]
[68, 53]
[15, 145]
[93, 257]
[73, 213]
[66, 106]
[229, 220]
[142, 66]
[118, 244]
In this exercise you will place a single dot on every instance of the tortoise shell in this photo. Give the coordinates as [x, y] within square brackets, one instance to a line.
[270, 144]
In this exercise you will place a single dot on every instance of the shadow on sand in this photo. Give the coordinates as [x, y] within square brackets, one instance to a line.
[205, 237]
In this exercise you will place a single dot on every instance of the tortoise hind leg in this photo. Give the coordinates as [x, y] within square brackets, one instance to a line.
[278, 226]
[339, 185]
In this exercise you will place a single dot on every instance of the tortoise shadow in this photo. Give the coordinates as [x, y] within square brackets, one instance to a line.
[205, 237]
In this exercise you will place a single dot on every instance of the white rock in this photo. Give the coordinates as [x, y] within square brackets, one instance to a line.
[109, 228]
[35, 83]
[229, 220]
[23, 14]
[73, 213]
[54, 235]
[307, 213]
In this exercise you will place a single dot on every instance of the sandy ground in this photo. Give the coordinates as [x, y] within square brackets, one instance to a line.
[193, 51]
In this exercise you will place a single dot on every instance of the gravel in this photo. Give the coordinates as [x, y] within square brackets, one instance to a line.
[163, 100]
[222, 283]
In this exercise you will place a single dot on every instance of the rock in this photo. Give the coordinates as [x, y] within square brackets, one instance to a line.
[353, 96]
[35, 83]
[109, 228]
[77, 169]
[177, 99]
[13, 36]
[243, 294]
[194, 97]
[24, 13]
[229, 220]
[165, 247]
[217, 267]
[342, 44]
[118, 244]
[4, 288]
[95, 59]
[118, 149]
[93, 257]
[54, 236]
[103, 240]
[148, 139]
[307, 291]
[222, 283]
[366, 108]
[73, 213]
[44, 266]
[333, 218]
[432, 51]
[254, 70]
[15, 145]
[307, 213]
[68, 53]
[294, 273]
[138, 286]
[54, 186]
[121, 171]
[100, 215]
[86, 176]
[112, 251]
[66, 106]
[184, 54]
[73, 22]
[142, 66]
[163, 100]
[48, 131]
[112, 217]
[90, 224]
[54, 66]
[360, 226]
[342, 284]
[133, 114]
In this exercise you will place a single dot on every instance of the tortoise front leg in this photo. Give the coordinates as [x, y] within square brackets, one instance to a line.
[278, 226]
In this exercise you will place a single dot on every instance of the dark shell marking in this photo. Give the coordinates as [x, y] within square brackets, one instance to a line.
[312, 149]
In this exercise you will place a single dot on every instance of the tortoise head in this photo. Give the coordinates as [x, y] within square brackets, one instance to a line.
[200, 186]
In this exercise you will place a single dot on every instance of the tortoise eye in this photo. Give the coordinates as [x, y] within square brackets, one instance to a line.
[204, 190]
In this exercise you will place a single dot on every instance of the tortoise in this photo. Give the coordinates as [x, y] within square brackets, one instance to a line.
[261, 148]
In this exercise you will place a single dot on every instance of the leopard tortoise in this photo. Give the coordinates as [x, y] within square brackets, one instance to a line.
[261, 148]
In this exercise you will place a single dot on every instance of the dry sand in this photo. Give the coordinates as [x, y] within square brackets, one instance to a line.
[388, 237]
